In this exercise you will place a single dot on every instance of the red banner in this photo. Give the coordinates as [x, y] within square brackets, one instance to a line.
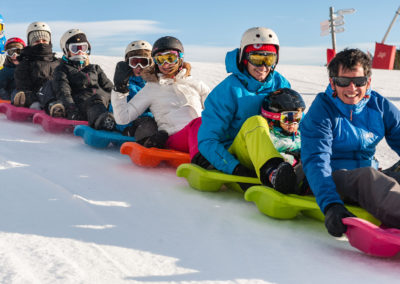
[330, 53]
[384, 56]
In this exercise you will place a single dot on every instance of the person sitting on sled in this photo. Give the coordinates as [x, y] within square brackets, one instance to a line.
[174, 97]
[13, 46]
[128, 78]
[36, 67]
[233, 137]
[339, 136]
[82, 89]
[284, 110]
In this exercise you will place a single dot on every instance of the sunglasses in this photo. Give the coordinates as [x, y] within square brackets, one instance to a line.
[286, 117]
[345, 81]
[166, 57]
[259, 59]
[76, 47]
[10, 52]
[135, 61]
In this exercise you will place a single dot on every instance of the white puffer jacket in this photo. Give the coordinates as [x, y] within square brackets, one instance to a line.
[173, 102]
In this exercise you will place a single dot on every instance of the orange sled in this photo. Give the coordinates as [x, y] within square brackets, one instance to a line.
[152, 157]
[5, 101]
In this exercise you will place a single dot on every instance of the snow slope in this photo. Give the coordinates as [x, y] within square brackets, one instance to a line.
[74, 214]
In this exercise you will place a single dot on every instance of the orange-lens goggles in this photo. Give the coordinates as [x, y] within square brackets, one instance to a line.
[1, 27]
[170, 58]
[260, 59]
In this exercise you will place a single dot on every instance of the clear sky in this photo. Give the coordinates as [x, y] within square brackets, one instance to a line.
[208, 28]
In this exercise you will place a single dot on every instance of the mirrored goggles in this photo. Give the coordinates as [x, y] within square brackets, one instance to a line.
[259, 59]
[167, 57]
[13, 51]
[76, 47]
[135, 61]
[345, 81]
[1, 27]
[286, 117]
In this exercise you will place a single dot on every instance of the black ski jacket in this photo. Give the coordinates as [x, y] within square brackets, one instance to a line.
[74, 83]
[36, 67]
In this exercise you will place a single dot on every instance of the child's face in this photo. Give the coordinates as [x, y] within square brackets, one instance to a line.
[291, 127]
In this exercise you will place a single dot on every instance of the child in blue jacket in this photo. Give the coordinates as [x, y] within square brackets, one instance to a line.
[128, 78]
[13, 48]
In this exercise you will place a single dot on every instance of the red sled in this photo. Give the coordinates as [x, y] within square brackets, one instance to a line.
[56, 124]
[371, 239]
[152, 157]
[18, 113]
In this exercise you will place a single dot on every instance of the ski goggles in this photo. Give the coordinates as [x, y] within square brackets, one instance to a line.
[259, 59]
[135, 61]
[76, 47]
[169, 57]
[345, 81]
[12, 51]
[286, 117]
[1, 27]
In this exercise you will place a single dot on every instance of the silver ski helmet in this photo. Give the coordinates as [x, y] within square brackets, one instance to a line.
[38, 30]
[166, 43]
[258, 35]
[73, 36]
[138, 48]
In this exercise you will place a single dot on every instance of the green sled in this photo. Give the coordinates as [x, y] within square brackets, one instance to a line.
[269, 201]
[211, 180]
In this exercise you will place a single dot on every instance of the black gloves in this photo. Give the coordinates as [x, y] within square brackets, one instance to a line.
[73, 112]
[334, 213]
[241, 170]
[121, 77]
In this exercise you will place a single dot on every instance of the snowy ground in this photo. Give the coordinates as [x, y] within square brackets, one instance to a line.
[74, 214]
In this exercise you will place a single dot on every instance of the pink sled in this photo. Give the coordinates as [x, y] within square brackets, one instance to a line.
[371, 239]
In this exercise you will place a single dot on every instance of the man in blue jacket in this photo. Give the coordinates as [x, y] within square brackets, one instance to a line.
[233, 137]
[339, 135]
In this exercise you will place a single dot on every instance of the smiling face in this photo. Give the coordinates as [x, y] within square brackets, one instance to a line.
[351, 94]
[259, 73]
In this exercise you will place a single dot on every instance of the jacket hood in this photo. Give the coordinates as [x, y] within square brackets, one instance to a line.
[345, 109]
[247, 80]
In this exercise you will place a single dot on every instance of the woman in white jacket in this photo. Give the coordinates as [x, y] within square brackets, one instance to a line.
[174, 97]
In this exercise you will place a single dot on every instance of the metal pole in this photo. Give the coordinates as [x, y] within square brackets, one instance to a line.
[391, 24]
[332, 28]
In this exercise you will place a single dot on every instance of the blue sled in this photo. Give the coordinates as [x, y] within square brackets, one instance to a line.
[101, 138]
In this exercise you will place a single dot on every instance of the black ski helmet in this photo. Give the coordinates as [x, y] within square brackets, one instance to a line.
[284, 99]
[167, 42]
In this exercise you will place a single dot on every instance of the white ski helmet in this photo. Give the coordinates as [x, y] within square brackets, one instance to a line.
[66, 36]
[137, 45]
[37, 26]
[258, 35]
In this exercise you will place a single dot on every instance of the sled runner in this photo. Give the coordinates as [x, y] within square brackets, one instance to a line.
[100, 138]
[55, 124]
[211, 180]
[152, 157]
[18, 113]
[371, 239]
[287, 206]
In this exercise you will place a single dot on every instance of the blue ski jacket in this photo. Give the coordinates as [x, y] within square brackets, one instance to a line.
[235, 99]
[335, 135]
[135, 84]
